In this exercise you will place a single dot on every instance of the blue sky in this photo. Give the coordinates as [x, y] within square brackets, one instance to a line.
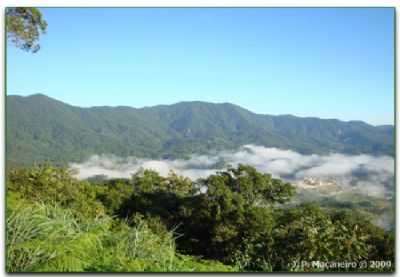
[328, 63]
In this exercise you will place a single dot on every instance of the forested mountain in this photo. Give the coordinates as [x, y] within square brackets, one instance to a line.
[40, 128]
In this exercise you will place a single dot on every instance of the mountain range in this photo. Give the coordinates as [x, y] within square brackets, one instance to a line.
[40, 128]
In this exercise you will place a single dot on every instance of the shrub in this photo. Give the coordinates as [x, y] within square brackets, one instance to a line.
[55, 186]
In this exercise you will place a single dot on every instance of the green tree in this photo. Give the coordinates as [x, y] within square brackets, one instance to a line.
[234, 216]
[380, 243]
[24, 27]
[146, 180]
[112, 193]
[255, 187]
[48, 184]
[235, 221]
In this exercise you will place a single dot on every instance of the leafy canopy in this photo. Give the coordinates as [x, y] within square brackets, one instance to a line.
[24, 27]
[155, 223]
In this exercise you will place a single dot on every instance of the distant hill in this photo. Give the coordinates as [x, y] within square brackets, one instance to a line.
[40, 128]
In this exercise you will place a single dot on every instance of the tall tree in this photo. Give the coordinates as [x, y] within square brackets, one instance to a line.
[24, 27]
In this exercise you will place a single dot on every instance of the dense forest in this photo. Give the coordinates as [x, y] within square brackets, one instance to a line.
[235, 220]
[73, 134]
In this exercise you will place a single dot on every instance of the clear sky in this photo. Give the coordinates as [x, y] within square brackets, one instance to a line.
[322, 62]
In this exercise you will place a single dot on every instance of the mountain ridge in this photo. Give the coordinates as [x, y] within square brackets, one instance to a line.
[41, 128]
[38, 95]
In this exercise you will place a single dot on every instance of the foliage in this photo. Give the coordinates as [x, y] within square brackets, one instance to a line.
[48, 238]
[24, 27]
[381, 244]
[306, 233]
[256, 188]
[45, 238]
[52, 185]
[155, 223]
[150, 181]
[42, 129]
[113, 193]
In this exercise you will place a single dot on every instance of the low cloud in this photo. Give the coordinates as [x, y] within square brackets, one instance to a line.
[372, 175]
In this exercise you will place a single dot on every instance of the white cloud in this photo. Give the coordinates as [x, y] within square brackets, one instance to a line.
[367, 173]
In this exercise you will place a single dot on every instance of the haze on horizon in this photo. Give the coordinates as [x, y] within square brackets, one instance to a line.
[308, 62]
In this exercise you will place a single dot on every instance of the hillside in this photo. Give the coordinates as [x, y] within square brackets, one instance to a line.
[40, 128]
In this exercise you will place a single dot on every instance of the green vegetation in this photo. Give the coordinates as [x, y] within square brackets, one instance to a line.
[24, 27]
[42, 129]
[377, 209]
[235, 220]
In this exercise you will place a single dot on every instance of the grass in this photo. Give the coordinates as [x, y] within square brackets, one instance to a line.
[47, 238]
